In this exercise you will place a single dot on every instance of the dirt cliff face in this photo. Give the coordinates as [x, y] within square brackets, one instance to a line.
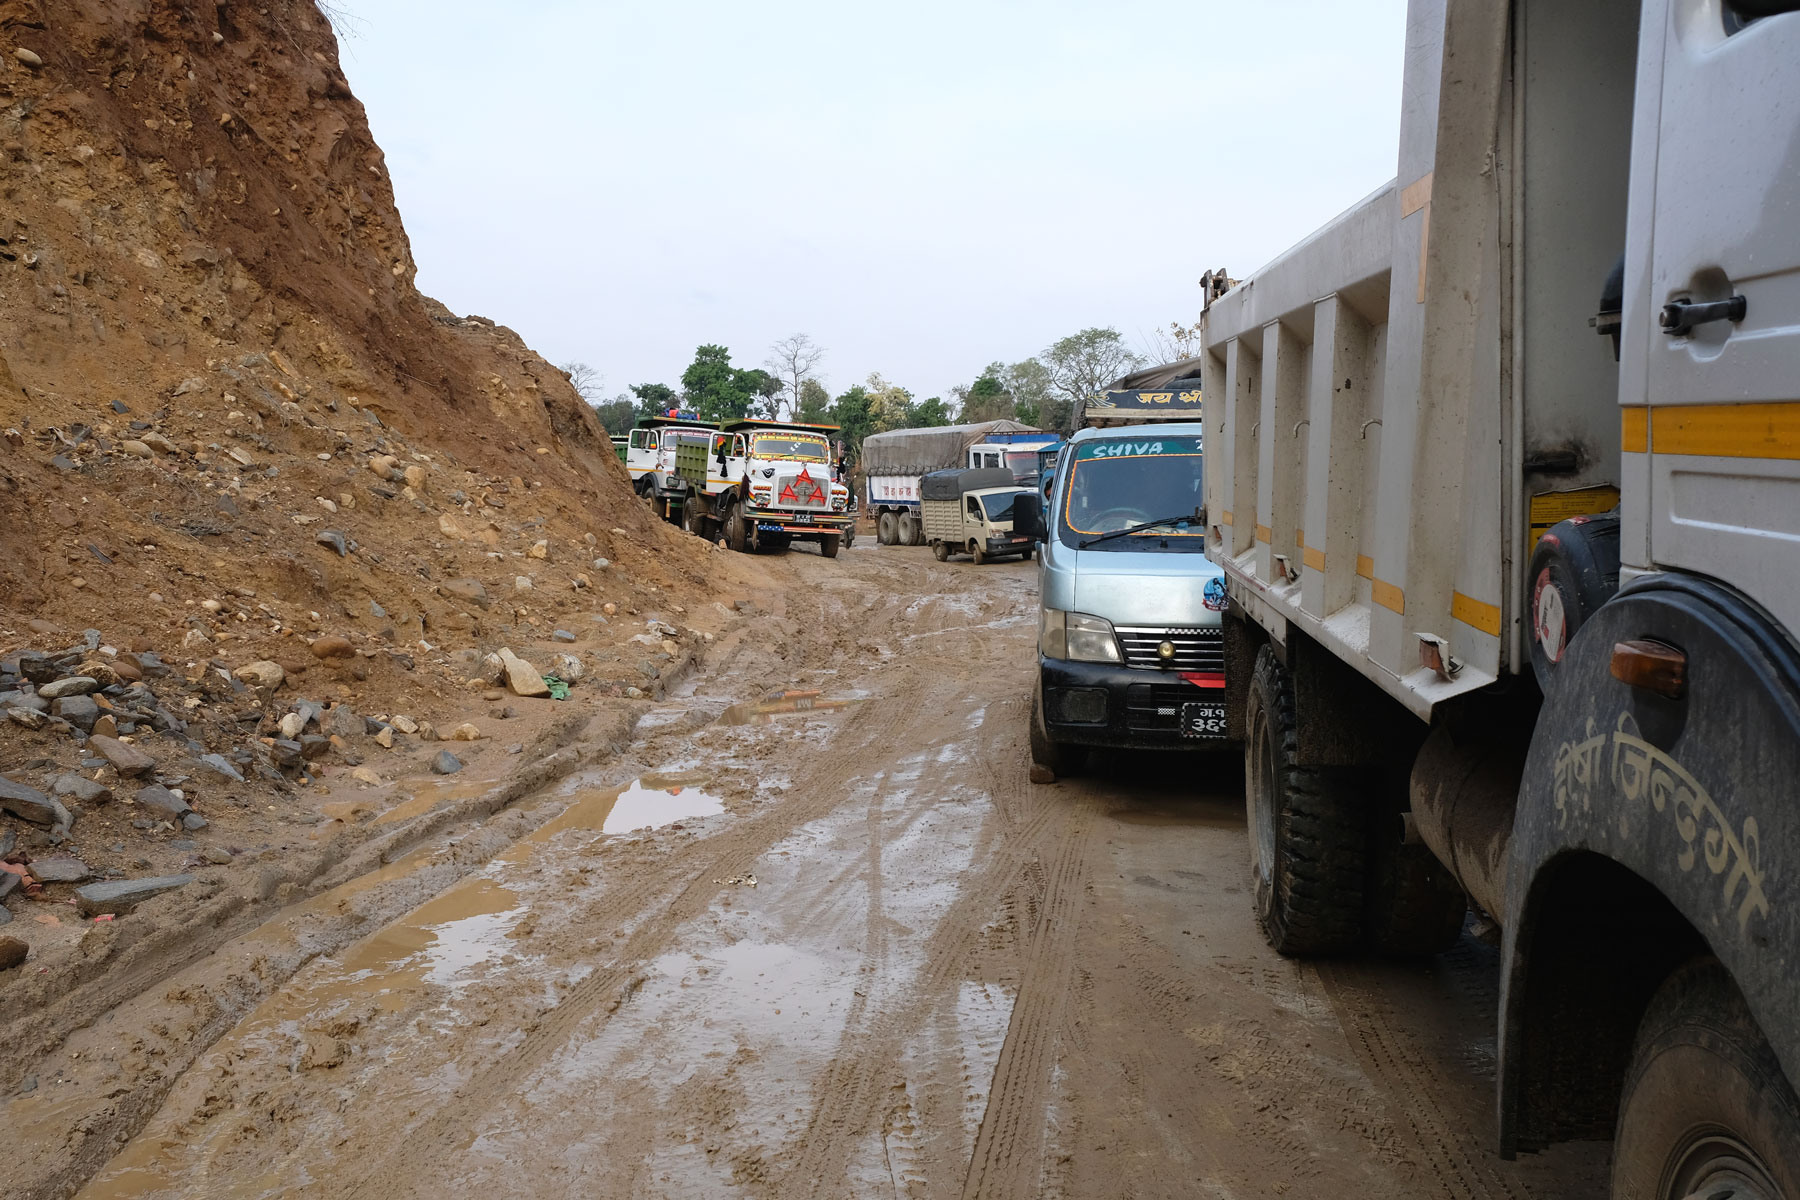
[213, 358]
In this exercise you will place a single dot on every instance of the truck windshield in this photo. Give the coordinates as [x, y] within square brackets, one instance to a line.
[1115, 483]
[1024, 465]
[998, 506]
[768, 445]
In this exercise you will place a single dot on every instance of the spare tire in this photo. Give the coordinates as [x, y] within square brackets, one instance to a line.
[1574, 570]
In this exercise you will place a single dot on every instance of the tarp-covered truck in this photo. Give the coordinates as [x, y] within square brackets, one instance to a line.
[894, 461]
[1514, 606]
[969, 511]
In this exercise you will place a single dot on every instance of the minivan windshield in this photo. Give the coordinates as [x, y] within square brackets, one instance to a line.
[769, 445]
[1117, 483]
[998, 506]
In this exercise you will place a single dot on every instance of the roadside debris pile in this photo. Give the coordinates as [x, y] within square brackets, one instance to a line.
[253, 484]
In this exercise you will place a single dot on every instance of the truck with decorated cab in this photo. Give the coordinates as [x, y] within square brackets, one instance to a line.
[763, 485]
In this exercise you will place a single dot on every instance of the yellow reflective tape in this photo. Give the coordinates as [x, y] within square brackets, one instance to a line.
[1313, 558]
[1300, 537]
[1225, 517]
[1634, 430]
[1262, 533]
[1388, 596]
[1365, 566]
[1769, 430]
[1475, 614]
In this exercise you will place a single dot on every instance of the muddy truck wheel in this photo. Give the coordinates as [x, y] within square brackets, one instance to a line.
[940, 551]
[1049, 760]
[884, 528]
[1706, 1109]
[692, 519]
[828, 545]
[737, 536]
[1307, 835]
[977, 553]
[909, 530]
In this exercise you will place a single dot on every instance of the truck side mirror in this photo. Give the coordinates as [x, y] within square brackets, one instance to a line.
[1028, 516]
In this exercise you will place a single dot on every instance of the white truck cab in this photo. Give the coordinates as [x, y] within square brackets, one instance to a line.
[766, 484]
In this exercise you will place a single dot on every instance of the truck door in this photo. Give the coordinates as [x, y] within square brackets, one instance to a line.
[1721, 330]
[640, 452]
[972, 518]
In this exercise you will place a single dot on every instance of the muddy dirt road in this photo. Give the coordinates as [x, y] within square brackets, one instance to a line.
[838, 949]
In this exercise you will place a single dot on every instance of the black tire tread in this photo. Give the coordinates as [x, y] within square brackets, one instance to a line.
[1316, 904]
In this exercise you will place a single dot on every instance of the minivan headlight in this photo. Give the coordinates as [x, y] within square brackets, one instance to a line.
[1078, 637]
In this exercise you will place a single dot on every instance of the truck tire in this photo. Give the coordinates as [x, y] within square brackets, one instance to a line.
[1415, 906]
[737, 535]
[828, 545]
[693, 519]
[1025, 555]
[940, 550]
[884, 528]
[909, 530]
[1706, 1110]
[849, 538]
[1049, 760]
[977, 553]
[1307, 834]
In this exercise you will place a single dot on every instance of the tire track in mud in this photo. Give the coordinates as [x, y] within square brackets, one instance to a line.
[1460, 1165]
[1008, 1156]
[854, 1095]
[680, 891]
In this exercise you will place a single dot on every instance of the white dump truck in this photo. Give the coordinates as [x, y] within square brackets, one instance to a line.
[970, 511]
[763, 485]
[1514, 606]
[649, 457]
[895, 461]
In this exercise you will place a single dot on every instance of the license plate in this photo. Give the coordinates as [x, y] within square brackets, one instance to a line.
[1203, 719]
[802, 518]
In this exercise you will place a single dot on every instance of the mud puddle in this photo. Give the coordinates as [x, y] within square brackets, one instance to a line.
[783, 703]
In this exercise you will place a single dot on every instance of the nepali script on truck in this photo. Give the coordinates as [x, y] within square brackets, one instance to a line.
[1504, 476]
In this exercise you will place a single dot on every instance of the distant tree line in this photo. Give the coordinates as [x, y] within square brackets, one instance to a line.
[1045, 391]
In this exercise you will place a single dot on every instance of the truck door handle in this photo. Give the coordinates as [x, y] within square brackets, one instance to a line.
[1680, 316]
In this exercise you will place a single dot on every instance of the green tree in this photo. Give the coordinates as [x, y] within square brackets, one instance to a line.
[987, 398]
[716, 390]
[1082, 364]
[850, 412]
[927, 413]
[889, 403]
[767, 390]
[815, 403]
[655, 399]
[618, 415]
[1029, 383]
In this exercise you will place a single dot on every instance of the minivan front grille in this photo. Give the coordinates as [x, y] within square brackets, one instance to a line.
[1196, 649]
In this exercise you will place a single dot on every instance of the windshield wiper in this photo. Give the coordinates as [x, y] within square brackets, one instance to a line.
[1192, 518]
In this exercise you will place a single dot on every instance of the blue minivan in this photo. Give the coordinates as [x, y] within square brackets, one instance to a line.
[1130, 645]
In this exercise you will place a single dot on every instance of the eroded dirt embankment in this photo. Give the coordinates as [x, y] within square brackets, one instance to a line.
[250, 476]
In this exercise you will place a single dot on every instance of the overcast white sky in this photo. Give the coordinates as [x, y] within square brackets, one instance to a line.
[923, 188]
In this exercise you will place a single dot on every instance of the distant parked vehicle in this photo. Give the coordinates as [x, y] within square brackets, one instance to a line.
[971, 512]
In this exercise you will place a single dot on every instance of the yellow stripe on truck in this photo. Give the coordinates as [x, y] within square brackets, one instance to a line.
[1476, 614]
[1634, 430]
[1770, 430]
[1388, 595]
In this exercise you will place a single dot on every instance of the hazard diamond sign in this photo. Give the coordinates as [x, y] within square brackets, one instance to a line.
[802, 490]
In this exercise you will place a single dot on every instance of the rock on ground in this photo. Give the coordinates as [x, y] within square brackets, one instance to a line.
[122, 895]
[522, 677]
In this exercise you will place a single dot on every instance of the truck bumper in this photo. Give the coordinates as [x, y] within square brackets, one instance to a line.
[1106, 704]
[1009, 545]
[797, 524]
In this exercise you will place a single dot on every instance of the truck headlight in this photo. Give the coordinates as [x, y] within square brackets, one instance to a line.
[1078, 637]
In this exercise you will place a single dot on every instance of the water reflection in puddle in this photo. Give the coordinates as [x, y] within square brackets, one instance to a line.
[781, 703]
[647, 803]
